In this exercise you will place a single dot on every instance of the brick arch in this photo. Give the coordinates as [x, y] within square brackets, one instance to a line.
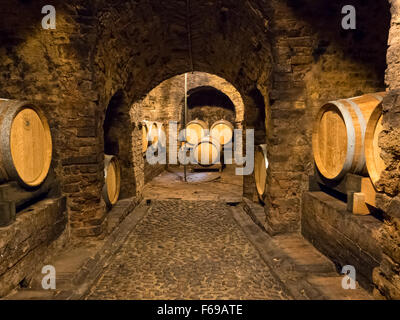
[199, 81]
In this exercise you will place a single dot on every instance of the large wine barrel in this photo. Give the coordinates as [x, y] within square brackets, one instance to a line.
[161, 135]
[207, 152]
[260, 170]
[145, 142]
[25, 143]
[112, 174]
[338, 135]
[375, 163]
[195, 131]
[223, 131]
[149, 134]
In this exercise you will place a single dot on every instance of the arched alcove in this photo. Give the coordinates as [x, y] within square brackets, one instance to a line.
[210, 105]
[118, 131]
[165, 104]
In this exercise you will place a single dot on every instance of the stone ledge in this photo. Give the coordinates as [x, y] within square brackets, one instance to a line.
[256, 213]
[119, 212]
[345, 238]
[301, 269]
[26, 244]
[80, 266]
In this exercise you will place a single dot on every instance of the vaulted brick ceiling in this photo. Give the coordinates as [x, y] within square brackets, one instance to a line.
[165, 38]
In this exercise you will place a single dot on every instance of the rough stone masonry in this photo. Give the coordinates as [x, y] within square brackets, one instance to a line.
[284, 58]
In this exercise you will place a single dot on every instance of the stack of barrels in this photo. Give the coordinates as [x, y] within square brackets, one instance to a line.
[153, 134]
[345, 138]
[207, 144]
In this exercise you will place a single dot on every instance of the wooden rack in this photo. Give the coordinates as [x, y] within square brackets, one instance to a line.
[14, 198]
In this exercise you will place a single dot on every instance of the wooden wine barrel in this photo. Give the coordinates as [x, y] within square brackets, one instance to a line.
[161, 135]
[145, 142]
[195, 131]
[149, 134]
[260, 170]
[223, 131]
[25, 143]
[112, 174]
[375, 164]
[338, 135]
[207, 151]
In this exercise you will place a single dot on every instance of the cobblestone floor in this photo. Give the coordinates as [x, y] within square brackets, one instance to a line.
[224, 185]
[187, 250]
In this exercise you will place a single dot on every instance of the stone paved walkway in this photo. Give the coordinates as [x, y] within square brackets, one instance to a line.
[187, 250]
[222, 186]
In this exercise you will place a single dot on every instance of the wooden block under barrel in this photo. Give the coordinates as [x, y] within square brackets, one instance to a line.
[350, 183]
[363, 202]
[22, 197]
[359, 190]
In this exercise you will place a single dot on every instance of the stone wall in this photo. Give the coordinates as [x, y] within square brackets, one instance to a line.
[211, 113]
[315, 61]
[210, 105]
[54, 70]
[166, 101]
[386, 277]
[27, 245]
[343, 237]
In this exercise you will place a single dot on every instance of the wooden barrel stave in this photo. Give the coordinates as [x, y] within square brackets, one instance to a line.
[25, 143]
[375, 164]
[112, 185]
[260, 170]
[223, 131]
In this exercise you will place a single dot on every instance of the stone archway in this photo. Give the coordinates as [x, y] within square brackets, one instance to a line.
[211, 105]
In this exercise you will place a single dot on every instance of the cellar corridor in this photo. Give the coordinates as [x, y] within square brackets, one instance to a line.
[191, 240]
[208, 185]
[186, 249]
[169, 149]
